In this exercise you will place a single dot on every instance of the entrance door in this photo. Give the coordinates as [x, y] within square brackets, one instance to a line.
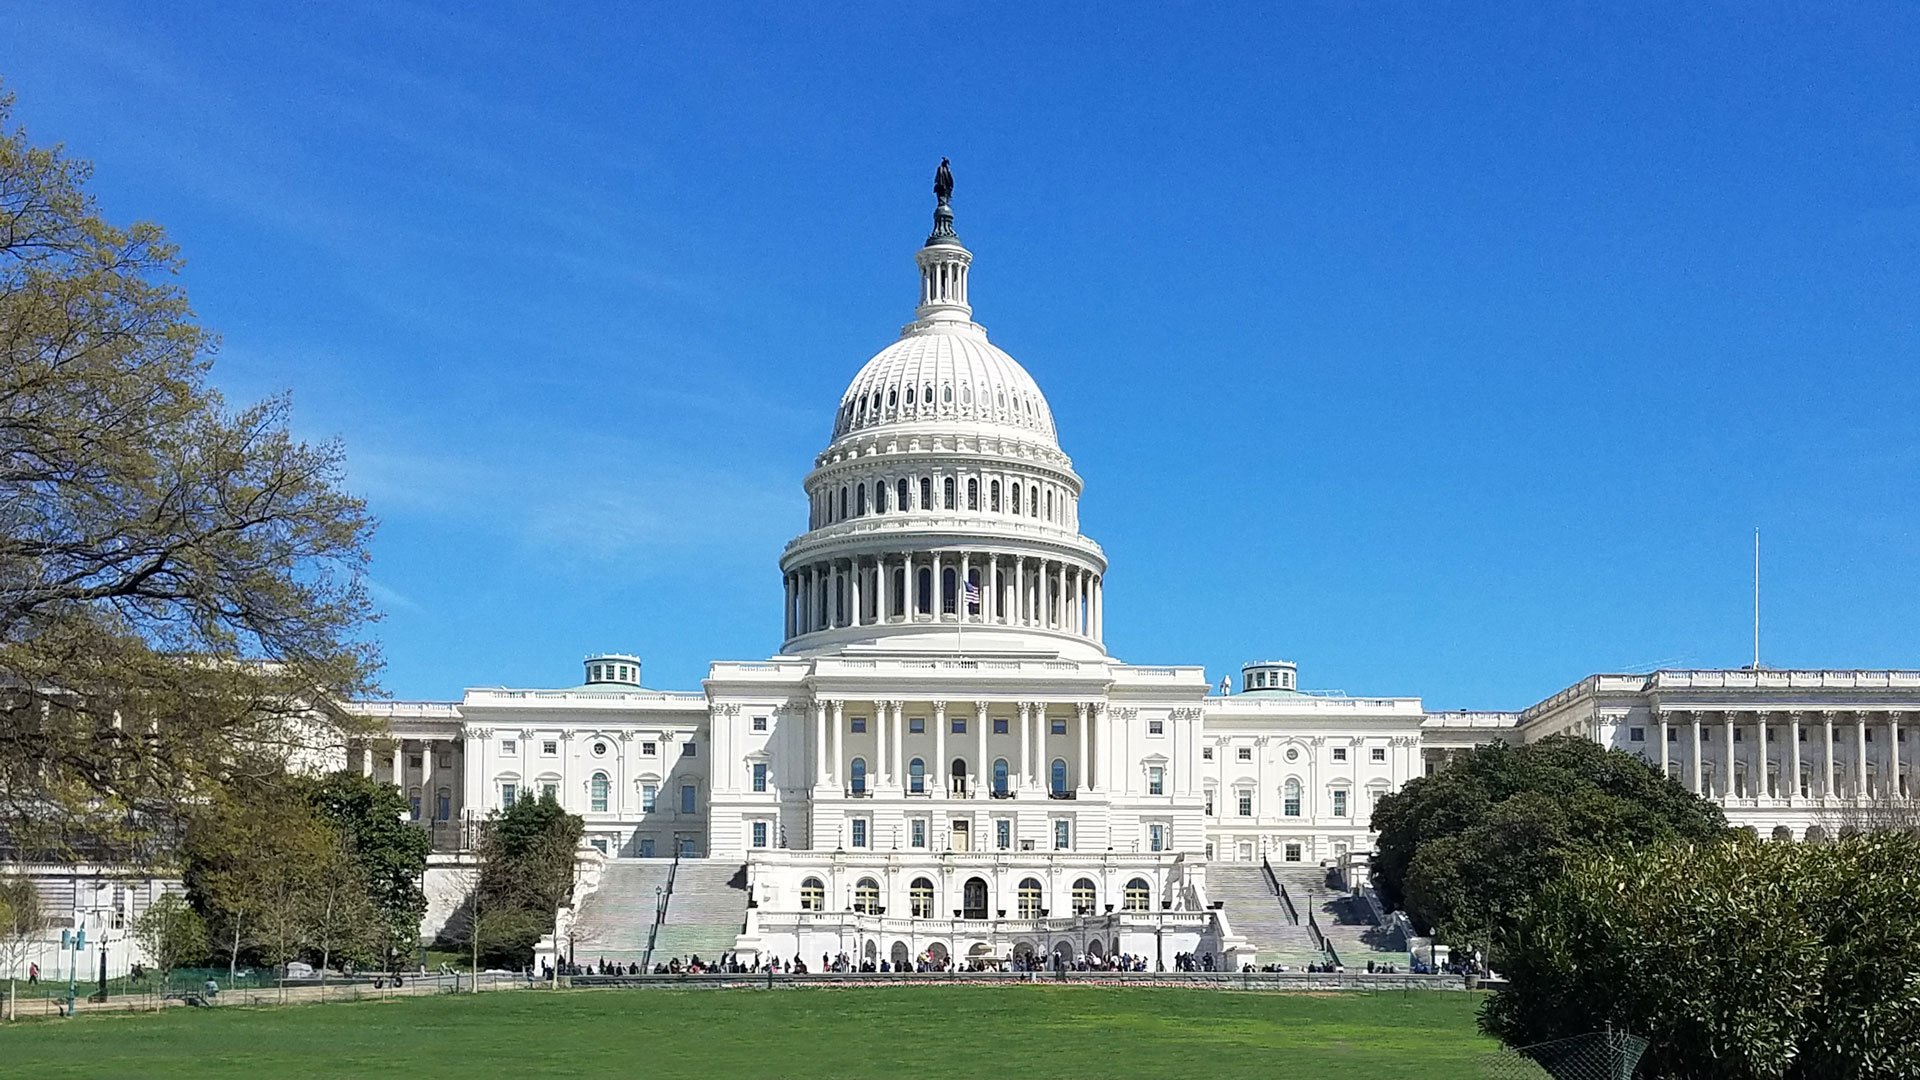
[962, 835]
[1246, 851]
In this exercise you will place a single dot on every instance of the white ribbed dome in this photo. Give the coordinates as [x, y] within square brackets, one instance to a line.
[944, 372]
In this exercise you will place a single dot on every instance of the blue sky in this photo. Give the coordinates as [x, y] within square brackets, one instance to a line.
[1452, 351]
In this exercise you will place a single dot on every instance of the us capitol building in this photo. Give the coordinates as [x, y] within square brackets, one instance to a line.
[943, 760]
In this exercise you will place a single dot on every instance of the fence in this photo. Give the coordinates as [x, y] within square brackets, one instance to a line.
[45, 999]
[1599, 1055]
[1219, 980]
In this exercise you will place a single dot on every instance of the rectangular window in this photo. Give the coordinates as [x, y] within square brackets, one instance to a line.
[916, 725]
[549, 748]
[1379, 754]
[1059, 726]
[686, 847]
[1206, 753]
[1156, 777]
[919, 832]
[1293, 853]
[688, 749]
[1003, 834]
[413, 762]
[686, 799]
[507, 793]
[759, 776]
[1638, 734]
[759, 723]
[959, 725]
[509, 746]
[600, 844]
[759, 834]
[1339, 802]
[1209, 809]
[648, 749]
[1673, 735]
[1290, 803]
[1156, 727]
[646, 847]
[1156, 838]
[1244, 753]
[859, 832]
[1062, 834]
[1339, 753]
[999, 725]
[859, 725]
[649, 794]
[1246, 804]
[445, 760]
[550, 790]
[1740, 735]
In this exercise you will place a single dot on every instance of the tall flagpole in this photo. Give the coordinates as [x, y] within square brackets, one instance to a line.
[1756, 599]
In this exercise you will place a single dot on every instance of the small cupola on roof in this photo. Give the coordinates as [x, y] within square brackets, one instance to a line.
[943, 260]
[1269, 675]
[613, 669]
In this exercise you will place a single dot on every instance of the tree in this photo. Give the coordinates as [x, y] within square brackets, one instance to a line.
[183, 581]
[341, 920]
[389, 854]
[1464, 850]
[255, 853]
[1738, 960]
[524, 873]
[22, 916]
[172, 933]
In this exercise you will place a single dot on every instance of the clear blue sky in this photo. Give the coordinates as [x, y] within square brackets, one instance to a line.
[1449, 352]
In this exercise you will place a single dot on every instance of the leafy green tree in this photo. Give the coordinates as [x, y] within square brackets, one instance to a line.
[525, 860]
[1464, 850]
[1739, 960]
[172, 933]
[22, 916]
[184, 580]
[390, 855]
[255, 853]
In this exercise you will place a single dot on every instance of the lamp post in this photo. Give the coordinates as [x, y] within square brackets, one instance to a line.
[72, 944]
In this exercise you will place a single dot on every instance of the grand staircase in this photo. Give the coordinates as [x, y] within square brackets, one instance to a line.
[1345, 919]
[706, 906]
[615, 919]
[706, 912]
[1257, 914]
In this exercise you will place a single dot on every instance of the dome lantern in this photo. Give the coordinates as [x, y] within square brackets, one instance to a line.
[943, 261]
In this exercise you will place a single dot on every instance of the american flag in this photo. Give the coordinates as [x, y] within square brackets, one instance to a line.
[972, 595]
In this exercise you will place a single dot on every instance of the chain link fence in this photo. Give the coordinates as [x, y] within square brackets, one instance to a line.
[184, 988]
[1599, 1055]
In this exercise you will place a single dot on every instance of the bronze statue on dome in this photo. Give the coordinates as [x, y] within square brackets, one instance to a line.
[943, 182]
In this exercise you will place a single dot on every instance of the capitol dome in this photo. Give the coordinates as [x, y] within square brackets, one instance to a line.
[943, 373]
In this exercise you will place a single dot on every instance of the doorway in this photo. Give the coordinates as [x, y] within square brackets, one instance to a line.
[962, 834]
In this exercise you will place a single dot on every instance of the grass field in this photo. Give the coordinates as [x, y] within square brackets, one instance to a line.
[1029, 1031]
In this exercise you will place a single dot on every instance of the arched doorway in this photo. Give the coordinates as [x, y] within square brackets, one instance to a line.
[1094, 949]
[1063, 950]
[901, 956]
[973, 899]
[1816, 834]
[957, 784]
[1781, 832]
[938, 953]
[872, 952]
[1023, 950]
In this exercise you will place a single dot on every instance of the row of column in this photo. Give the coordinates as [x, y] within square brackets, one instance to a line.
[1014, 590]
[1828, 768]
[888, 728]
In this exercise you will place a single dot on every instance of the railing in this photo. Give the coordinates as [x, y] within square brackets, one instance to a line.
[660, 913]
[1068, 795]
[1273, 882]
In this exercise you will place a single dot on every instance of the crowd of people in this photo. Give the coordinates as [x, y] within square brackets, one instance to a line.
[932, 963]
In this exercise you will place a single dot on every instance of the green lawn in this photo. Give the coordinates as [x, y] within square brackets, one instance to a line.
[1026, 1030]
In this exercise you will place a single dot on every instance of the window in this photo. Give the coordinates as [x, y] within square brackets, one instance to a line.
[688, 749]
[859, 725]
[687, 805]
[993, 496]
[1244, 753]
[1059, 726]
[509, 746]
[1209, 808]
[1058, 776]
[1062, 834]
[1016, 498]
[759, 834]
[948, 493]
[859, 832]
[926, 493]
[687, 847]
[1003, 834]
[413, 762]
[880, 497]
[759, 723]
[507, 793]
[904, 501]
[1083, 897]
[1156, 780]
[597, 793]
[999, 725]
[1029, 895]
[843, 502]
[1246, 803]
[550, 789]
[759, 776]
[866, 896]
[916, 778]
[973, 494]
[600, 844]
[1000, 778]
[649, 794]
[916, 725]
[1378, 754]
[920, 898]
[1138, 894]
[599, 749]
[1206, 753]
[917, 831]
[550, 748]
[1156, 838]
[1673, 735]
[1033, 501]
[1339, 802]
[1638, 734]
[1292, 852]
[413, 799]
[1156, 727]
[1290, 804]
[813, 895]
[860, 501]
[648, 749]
[1339, 753]
[959, 725]
[646, 847]
[859, 776]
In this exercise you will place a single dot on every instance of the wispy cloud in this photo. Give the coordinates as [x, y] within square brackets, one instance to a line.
[393, 599]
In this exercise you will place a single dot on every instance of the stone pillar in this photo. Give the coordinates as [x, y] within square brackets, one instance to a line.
[1699, 771]
[939, 591]
[1860, 761]
[1026, 741]
[1664, 754]
[1793, 747]
[836, 771]
[366, 761]
[881, 716]
[896, 742]
[1831, 774]
[983, 769]
[1020, 592]
[399, 766]
[941, 776]
[1892, 756]
[960, 601]
[1086, 772]
[856, 575]
[427, 801]
[1727, 787]
[820, 744]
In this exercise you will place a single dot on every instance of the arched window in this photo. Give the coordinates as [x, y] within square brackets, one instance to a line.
[925, 589]
[860, 501]
[443, 804]
[413, 796]
[916, 777]
[597, 793]
[1290, 802]
[926, 394]
[973, 899]
[1049, 504]
[843, 502]
[993, 496]
[920, 898]
[1139, 894]
[973, 493]
[1016, 498]
[904, 502]
[880, 497]
[946, 394]
[947, 591]
[1030, 898]
[813, 895]
[909, 396]
[866, 896]
[858, 776]
[1058, 774]
[1083, 896]
[1000, 776]
[897, 591]
[947, 491]
[1033, 502]
[926, 493]
[893, 399]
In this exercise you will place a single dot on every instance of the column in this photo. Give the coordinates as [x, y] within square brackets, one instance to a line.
[1832, 774]
[939, 591]
[1793, 747]
[366, 761]
[1698, 749]
[942, 776]
[983, 769]
[858, 572]
[1860, 762]
[897, 743]
[1892, 756]
[1019, 590]
[912, 596]
[881, 715]
[1081, 712]
[1726, 785]
[1665, 756]
[427, 800]
[839, 744]
[399, 761]
[820, 744]
[1026, 740]
[1760, 786]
